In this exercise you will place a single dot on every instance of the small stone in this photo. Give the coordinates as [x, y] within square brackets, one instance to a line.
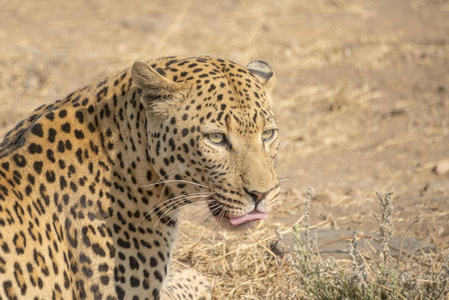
[442, 167]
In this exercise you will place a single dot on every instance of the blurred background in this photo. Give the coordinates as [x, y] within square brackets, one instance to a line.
[362, 98]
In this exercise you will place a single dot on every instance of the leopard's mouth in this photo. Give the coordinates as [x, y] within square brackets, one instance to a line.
[236, 221]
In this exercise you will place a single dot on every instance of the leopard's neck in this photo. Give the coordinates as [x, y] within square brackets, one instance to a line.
[101, 171]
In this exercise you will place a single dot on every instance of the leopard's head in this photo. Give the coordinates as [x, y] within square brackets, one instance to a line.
[212, 134]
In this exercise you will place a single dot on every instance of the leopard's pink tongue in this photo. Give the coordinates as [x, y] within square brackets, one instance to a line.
[252, 216]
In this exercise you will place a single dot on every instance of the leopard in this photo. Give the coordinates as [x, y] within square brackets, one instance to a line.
[91, 185]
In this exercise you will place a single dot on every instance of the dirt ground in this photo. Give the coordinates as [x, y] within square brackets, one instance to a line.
[362, 98]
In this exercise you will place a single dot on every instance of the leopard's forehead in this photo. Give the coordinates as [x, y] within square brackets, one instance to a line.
[227, 93]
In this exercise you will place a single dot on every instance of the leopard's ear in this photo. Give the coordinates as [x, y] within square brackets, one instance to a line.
[155, 87]
[263, 72]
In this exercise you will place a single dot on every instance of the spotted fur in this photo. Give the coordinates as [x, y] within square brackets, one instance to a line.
[91, 185]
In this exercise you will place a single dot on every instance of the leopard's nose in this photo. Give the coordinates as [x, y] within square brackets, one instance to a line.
[256, 195]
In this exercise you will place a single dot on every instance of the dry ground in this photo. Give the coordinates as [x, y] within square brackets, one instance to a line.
[362, 96]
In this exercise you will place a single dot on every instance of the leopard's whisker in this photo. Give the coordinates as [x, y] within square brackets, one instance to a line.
[184, 198]
[208, 217]
[188, 204]
[194, 203]
[286, 180]
[175, 181]
[160, 180]
[169, 202]
[170, 210]
[212, 211]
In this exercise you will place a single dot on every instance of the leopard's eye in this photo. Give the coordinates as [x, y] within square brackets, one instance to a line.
[217, 138]
[268, 135]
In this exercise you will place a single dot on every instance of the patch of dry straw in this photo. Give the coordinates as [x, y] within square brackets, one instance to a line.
[240, 265]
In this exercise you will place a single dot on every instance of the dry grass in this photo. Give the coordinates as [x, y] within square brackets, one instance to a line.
[242, 266]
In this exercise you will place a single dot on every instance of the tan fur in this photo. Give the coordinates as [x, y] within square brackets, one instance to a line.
[91, 186]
